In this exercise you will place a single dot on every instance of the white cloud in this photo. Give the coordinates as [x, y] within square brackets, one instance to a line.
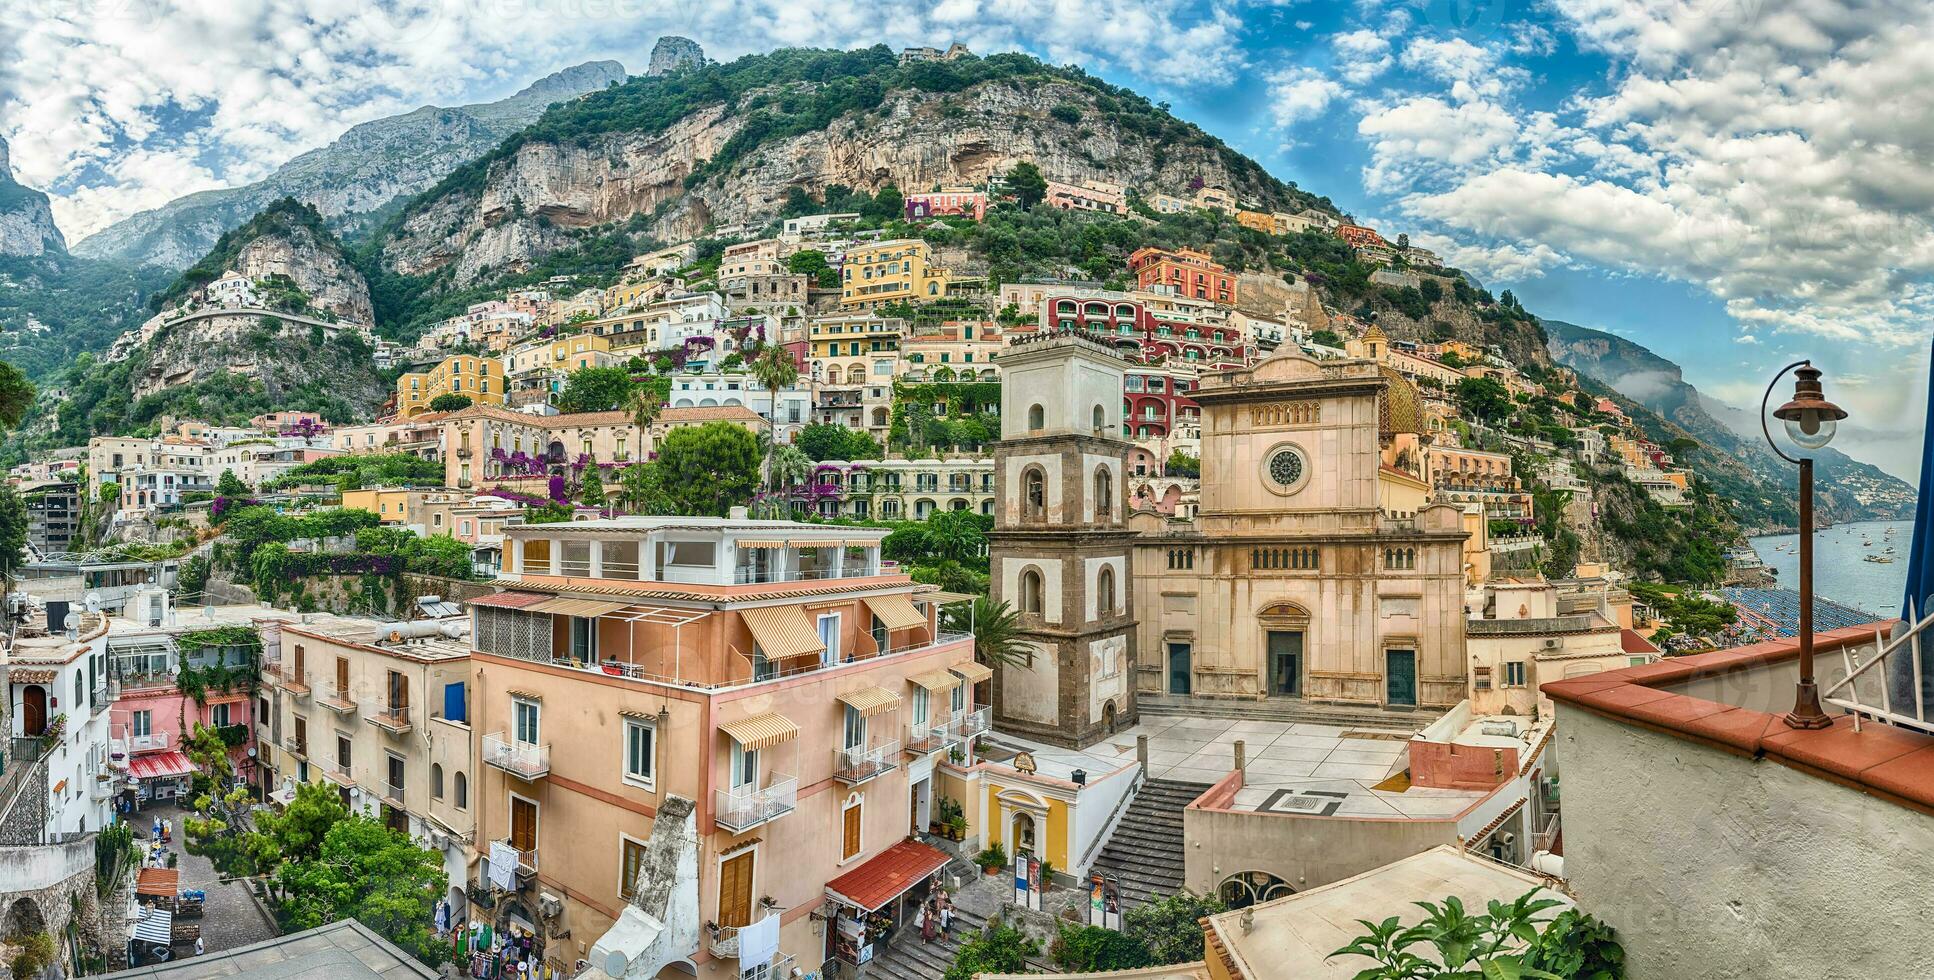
[1361, 55]
[1299, 94]
[1416, 137]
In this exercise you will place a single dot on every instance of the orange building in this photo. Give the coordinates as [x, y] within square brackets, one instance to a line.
[1185, 271]
[1359, 236]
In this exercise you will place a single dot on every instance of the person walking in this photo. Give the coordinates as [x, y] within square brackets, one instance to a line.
[929, 921]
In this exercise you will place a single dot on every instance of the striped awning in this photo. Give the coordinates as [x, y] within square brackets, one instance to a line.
[972, 672]
[761, 731]
[870, 701]
[782, 631]
[896, 611]
[588, 608]
[936, 680]
[511, 600]
[861, 542]
[949, 598]
[157, 926]
[761, 543]
[815, 544]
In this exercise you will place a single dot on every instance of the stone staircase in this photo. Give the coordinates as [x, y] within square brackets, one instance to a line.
[1145, 852]
[910, 959]
[1351, 717]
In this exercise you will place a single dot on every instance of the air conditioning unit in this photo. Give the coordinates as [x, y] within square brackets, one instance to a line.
[1553, 643]
[549, 906]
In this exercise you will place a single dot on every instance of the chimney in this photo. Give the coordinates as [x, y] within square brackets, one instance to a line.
[738, 513]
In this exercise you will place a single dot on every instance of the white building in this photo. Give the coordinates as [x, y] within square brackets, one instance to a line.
[58, 692]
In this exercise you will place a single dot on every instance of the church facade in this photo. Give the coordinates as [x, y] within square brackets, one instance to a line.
[1297, 578]
[1311, 573]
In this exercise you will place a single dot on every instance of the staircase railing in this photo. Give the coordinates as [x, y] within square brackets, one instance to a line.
[1884, 649]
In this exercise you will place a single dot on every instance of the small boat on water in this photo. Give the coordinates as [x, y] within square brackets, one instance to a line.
[1879, 559]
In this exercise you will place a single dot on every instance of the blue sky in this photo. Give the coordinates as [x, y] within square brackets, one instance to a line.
[1733, 183]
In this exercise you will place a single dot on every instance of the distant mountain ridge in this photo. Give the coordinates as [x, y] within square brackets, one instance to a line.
[26, 222]
[365, 169]
[1848, 490]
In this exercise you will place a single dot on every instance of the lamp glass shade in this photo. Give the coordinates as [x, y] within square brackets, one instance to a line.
[1810, 428]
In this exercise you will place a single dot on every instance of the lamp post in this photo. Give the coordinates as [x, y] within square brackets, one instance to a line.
[1810, 423]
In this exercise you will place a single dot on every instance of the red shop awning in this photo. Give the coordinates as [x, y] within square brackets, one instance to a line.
[160, 765]
[887, 876]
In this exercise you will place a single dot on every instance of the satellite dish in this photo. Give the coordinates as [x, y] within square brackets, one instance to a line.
[72, 622]
[93, 601]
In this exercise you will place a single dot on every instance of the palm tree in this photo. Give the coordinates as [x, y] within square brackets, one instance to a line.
[644, 405]
[775, 369]
[789, 467]
[994, 625]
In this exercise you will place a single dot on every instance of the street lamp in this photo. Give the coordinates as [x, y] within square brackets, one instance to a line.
[1810, 422]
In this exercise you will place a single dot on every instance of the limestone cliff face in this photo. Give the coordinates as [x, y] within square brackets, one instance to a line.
[673, 53]
[26, 222]
[282, 353]
[366, 168]
[318, 267]
[531, 200]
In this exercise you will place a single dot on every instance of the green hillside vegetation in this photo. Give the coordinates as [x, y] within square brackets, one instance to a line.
[84, 303]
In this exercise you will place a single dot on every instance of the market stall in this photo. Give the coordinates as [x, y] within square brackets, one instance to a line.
[872, 902]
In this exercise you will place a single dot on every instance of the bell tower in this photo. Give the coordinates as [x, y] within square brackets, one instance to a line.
[1060, 553]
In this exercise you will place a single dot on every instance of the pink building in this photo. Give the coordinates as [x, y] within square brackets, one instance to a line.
[956, 204]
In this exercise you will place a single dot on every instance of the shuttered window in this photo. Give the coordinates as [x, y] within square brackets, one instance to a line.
[850, 845]
[735, 890]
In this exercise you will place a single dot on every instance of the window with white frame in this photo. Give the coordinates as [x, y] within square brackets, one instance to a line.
[524, 720]
[745, 767]
[959, 697]
[1514, 673]
[143, 723]
[855, 729]
[921, 707]
[641, 751]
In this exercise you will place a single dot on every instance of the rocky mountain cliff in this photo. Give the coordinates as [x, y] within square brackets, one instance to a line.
[365, 169]
[26, 223]
[674, 54]
[288, 246]
[724, 144]
[1846, 489]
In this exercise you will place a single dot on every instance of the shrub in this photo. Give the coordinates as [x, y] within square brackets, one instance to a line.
[1086, 949]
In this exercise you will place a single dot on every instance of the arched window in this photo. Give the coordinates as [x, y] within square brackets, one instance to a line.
[1104, 494]
[1037, 418]
[1034, 495]
[1031, 591]
[1105, 591]
[436, 781]
[462, 792]
[1100, 419]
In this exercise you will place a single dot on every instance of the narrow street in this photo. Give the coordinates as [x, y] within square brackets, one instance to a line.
[230, 918]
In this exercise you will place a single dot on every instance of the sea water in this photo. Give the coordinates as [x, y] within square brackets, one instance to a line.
[1840, 569]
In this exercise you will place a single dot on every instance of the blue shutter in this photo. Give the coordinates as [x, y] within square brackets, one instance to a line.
[455, 707]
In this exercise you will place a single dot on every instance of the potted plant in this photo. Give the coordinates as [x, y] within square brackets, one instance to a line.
[992, 859]
[957, 828]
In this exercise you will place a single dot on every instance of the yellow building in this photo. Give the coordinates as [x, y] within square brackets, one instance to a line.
[396, 505]
[564, 354]
[481, 379]
[897, 271]
[1258, 220]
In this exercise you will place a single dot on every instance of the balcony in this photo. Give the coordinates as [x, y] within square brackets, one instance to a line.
[338, 700]
[393, 795]
[338, 772]
[521, 759]
[392, 718]
[722, 942]
[290, 679]
[927, 739]
[742, 809]
[125, 745]
[971, 724]
[526, 859]
[863, 764]
[296, 747]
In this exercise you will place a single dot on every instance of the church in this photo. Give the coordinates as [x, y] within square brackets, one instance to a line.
[1314, 572]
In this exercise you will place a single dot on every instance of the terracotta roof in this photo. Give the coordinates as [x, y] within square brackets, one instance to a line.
[157, 881]
[1631, 642]
[1882, 760]
[888, 874]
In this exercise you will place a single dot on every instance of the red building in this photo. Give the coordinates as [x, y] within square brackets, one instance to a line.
[1359, 236]
[960, 204]
[1185, 272]
[1144, 337]
[1156, 401]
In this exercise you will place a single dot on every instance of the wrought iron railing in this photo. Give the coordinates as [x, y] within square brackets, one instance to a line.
[859, 764]
[521, 759]
[744, 808]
